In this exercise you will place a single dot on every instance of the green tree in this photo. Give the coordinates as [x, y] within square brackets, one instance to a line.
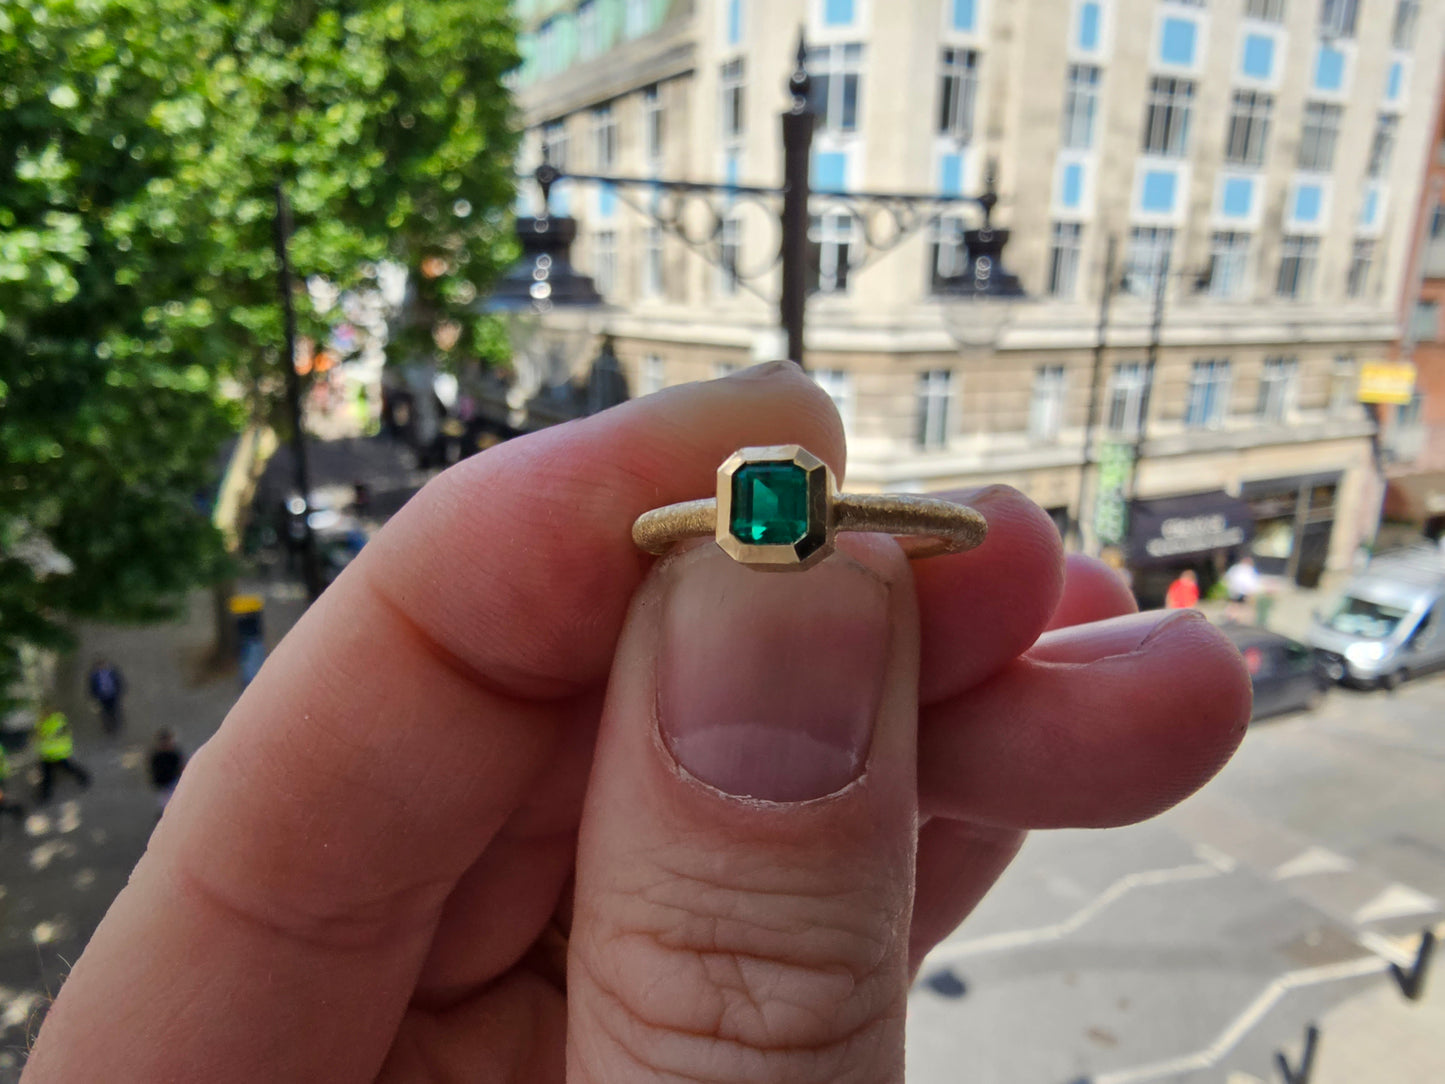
[141, 142]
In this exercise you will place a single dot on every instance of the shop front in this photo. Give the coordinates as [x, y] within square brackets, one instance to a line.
[1198, 531]
[1417, 501]
[1294, 518]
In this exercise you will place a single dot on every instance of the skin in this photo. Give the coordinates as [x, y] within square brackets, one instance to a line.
[455, 755]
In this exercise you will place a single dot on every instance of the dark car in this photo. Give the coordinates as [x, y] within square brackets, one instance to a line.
[1285, 674]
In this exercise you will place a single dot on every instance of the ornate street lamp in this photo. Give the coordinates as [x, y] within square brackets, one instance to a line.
[980, 302]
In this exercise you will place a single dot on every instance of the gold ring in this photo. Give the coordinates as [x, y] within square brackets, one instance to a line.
[778, 509]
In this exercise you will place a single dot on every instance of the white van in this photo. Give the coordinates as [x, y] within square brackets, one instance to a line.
[1386, 626]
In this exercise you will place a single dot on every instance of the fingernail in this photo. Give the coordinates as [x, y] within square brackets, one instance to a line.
[769, 682]
[1175, 621]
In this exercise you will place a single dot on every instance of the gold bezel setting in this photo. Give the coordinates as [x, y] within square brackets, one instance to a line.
[817, 541]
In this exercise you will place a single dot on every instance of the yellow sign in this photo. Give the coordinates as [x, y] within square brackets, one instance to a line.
[246, 604]
[1387, 382]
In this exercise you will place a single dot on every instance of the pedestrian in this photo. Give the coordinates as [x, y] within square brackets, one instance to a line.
[15, 809]
[1183, 593]
[166, 765]
[1242, 582]
[56, 749]
[106, 687]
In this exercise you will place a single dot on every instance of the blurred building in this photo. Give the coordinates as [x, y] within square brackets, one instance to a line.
[1413, 432]
[1269, 153]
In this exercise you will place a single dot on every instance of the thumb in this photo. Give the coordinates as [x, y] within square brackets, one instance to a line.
[745, 865]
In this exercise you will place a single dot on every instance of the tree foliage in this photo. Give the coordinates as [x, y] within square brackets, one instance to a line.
[141, 143]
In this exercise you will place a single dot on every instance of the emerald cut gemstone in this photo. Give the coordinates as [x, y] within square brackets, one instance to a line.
[770, 504]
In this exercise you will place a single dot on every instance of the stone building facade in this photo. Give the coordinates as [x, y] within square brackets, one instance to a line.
[1268, 153]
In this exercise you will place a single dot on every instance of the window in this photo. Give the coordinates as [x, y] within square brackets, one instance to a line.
[839, 386]
[1166, 120]
[639, 14]
[654, 375]
[652, 125]
[1248, 128]
[1228, 264]
[735, 21]
[1277, 388]
[729, 241]
[829, 239]
[1362, 256]
[604, 261]
[1387, 127]
[1064, 259]
[604, 137]
[1406, 14]
[1081, 104]
[652, 261]
[1046, 404]
[1297, 257]
[554, 143]
[935, 390]
[958, 89]
[1344, 386]
[547, 54]
[1437, 222]
[1337, 18]
[838, 12]
[836, 71]
[731, 88]
[1148, 258]
[588, 41]
[946, 251]
[1271, 11]
[1125, 398]
[1208, 401]
[1318, 133]
[1088, 25]
[1425, 322]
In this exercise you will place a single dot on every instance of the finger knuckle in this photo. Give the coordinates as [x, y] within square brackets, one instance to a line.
[777, 978]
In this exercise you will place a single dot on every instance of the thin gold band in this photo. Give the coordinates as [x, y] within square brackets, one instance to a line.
[924, 526]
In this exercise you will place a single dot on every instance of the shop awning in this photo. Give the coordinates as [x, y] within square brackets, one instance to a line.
[1415, 498]
[1173, 529]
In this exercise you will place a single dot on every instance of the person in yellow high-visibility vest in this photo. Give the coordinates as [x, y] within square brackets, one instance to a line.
[15, 809]
[56, 749]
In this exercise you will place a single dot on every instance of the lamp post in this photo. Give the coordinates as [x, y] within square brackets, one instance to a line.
[983, 281]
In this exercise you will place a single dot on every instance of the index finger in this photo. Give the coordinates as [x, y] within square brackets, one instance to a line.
[276, 926]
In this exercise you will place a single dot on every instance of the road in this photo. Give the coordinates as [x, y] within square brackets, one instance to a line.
[1192, 947]
[1184, 950]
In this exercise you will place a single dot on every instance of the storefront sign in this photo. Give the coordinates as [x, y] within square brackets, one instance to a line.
[1163, 530]
[1387, 382]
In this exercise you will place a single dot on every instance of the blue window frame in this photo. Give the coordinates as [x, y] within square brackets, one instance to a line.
[1177, 41]
[606, 200]
[1370, 208]
[950, 174]
[1329, 68]
[730, 168]
[1308, 202]
[1091, 17]
[1237, 197]
[1157, 192]
[735, 21]
[838, 12]
[830, 171]
[965, 15]
[1395, 84]
[1071, 187]
[1257, 58]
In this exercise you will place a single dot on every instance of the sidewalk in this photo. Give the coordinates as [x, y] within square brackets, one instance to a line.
[1291, 606]
[58, 876]
[1380, 1036]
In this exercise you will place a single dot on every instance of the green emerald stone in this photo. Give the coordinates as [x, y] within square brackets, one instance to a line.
[770, 504]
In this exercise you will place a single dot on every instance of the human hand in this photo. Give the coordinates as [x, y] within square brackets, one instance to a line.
[499, 726]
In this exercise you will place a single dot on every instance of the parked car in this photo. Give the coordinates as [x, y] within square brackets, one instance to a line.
[1386, 626]
[1286, 675]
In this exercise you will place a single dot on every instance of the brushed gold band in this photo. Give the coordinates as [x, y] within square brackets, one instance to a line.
[924, 526]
